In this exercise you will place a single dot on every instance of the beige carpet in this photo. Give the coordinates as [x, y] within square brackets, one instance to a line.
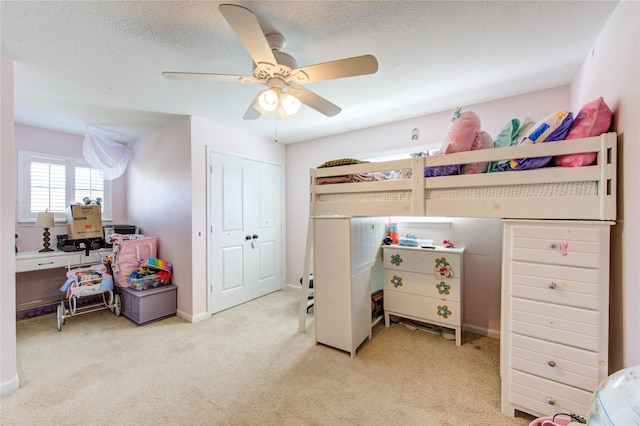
[247, 366]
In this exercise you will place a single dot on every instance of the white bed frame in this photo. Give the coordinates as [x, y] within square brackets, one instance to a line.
[547, 193]
[574, 193]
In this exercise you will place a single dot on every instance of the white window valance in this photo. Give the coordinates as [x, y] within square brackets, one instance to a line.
[104, 154]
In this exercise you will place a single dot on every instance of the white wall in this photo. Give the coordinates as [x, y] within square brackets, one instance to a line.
[481, 236]
[612, 71]
[8, 369]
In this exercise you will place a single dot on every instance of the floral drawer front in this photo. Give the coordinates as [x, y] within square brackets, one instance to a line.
[427, 308]
[438, 263]
[422, 284]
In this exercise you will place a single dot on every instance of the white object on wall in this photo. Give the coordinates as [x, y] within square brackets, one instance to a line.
[104, 154]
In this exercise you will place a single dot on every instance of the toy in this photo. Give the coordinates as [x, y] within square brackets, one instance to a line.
[89, 202]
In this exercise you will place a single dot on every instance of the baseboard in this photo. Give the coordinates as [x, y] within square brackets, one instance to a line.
[295, 287]
[192, 318]
[482, 331]
[10, 385]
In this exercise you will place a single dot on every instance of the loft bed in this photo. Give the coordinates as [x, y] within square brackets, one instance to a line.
[586, 193]
[575, 193]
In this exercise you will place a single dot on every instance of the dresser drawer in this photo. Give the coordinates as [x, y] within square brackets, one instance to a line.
[547, 397]
[560, 324]
[427, 308]
[563, 285]
[422, 285]
[561, 363]
[436, 263]
[570, 246]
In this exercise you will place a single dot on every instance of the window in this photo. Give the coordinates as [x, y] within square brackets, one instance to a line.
[52, 182]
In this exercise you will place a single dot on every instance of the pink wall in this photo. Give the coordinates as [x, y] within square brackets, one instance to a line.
[481, 236]
[612, 71]
[159, 194]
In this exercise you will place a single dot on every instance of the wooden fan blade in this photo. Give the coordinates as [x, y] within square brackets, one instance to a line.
[246, 26]
[350, 67]
[214, 78]
[314, 101]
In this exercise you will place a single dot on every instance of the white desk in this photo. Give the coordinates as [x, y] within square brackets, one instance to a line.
[35, 261]
[33, 291]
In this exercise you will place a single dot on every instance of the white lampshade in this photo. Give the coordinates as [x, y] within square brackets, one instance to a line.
[290, 103]
[268, 100]
[45, 220]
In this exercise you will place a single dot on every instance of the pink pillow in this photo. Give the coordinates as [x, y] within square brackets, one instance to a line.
[482, 141]
[462, 132]
[593, 119]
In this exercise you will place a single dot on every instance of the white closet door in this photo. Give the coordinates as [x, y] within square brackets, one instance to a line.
[245, 232]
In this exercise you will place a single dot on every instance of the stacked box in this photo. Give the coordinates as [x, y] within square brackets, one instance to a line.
[84, 222]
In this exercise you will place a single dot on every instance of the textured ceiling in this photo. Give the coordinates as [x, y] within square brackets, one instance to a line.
[99, 63]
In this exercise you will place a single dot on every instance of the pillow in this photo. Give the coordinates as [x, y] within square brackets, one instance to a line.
[483, 141]
[341, 162]
[462, 131]
[553, 127]
[507, 136]
[593, 119]
[442, 170]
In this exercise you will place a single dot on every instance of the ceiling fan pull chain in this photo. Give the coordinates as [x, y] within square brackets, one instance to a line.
[276, 138]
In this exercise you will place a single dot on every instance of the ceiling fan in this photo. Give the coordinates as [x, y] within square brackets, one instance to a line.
[279, 71]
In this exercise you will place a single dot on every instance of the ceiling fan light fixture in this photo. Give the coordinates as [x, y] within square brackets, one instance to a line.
[268, 100]
[289, 103]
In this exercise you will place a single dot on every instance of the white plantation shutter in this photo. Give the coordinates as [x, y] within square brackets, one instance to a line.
[88, 183]
[50, 182]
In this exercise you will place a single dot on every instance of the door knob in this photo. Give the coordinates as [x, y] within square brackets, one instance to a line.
[247, 237]
[255, 236]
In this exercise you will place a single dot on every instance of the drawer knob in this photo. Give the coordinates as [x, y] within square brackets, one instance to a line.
[553, 245]
[443, 288]
[551, 363]
[396, 259]
[396, 281]
[444, 311]
[552, 285]
[551, 401]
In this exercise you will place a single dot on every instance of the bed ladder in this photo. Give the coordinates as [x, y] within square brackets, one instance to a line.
[304, 287]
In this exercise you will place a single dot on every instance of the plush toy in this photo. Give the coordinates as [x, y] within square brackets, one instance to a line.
[89, 202]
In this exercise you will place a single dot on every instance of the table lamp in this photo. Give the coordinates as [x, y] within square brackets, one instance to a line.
[45, 220]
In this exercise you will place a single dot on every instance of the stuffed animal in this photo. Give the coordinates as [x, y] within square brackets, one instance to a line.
[89, 202]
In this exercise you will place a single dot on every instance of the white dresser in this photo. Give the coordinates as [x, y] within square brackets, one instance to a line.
[346, 254]
[555, 315]
[424, 285]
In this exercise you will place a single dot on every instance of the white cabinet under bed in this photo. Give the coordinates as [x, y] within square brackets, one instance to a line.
[425, 285]
[346, 253]
[555, 315]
